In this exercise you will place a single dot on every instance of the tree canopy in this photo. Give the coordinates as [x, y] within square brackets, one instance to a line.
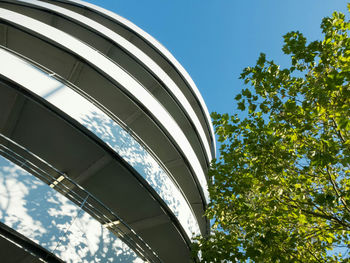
[280, 189]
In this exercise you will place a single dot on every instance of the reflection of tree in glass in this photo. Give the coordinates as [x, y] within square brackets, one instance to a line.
[37, 211]
[85, 243]
[132, 151]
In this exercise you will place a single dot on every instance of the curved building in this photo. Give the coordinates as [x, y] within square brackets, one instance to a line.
[105, 141]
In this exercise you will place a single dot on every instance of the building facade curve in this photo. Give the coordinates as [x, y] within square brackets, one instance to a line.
[97, 133]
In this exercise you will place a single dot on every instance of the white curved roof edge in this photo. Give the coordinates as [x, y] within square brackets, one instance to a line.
[66, 99]
[144, 58]
[162, 50]
[121, 77]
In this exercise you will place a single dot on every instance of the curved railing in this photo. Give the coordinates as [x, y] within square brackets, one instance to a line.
[138, 54]
[108, 130]
[79, 196]
[123, 79]
[160, 48]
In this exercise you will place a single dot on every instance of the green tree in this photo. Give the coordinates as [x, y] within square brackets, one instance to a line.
[280, 190]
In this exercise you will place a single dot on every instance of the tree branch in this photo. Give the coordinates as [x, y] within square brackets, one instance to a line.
[313, 255]
[324, 215]
[336, 189]
[338, 131]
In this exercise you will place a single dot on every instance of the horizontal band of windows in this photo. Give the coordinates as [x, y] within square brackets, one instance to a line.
[70, 228]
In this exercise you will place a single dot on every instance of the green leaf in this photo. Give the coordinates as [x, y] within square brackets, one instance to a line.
[241, 106]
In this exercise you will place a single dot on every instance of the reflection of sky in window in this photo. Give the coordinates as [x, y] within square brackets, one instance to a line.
[43, 215]
[108, 130]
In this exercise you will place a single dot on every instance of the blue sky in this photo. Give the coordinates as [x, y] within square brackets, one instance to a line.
[215, 39]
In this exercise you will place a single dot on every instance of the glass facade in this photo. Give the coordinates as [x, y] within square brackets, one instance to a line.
[40, 213]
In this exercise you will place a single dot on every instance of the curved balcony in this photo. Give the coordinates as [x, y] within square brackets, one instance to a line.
[15, 247]
[105, 128]
[85, 150]
[97, 105]
[154, 49]
[130, 58]
[38, 216]
[114, 84]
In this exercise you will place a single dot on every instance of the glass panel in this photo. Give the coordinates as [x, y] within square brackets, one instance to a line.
[38, 212]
